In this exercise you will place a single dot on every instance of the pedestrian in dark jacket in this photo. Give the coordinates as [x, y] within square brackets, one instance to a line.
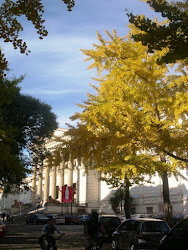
[94, 231]
[3, 216]
[48, 230]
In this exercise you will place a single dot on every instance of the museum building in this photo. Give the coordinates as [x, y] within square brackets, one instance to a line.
[91, 193]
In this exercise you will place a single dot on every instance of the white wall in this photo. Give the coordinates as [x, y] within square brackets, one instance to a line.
[7, 202]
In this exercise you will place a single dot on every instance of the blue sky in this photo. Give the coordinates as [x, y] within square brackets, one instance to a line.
[55, 71]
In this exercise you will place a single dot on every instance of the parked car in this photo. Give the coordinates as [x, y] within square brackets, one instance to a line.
[82, 219]
[74, 220]
[122, 218]
[2, 229]
[159, 216]
[150, 216]
[68, 219]
[59, 219]
[139, 233]
[138, 216]
[71, 219]
[177, 218]
[36, 219]
[110, 222]
[177, 238]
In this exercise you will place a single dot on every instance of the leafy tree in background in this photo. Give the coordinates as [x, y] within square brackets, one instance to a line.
[32, 118]
[25, 121]
[171, 34]
[136, 124]
[20, 133]
[116, 201]
[7, 158]
[24, 125]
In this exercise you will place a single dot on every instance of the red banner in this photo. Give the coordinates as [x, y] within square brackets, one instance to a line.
[67, 194]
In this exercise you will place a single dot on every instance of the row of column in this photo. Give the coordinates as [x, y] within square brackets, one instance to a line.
[88, 187]
[38, 192]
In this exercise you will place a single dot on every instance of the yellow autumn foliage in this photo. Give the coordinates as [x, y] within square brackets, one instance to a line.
[139, 113]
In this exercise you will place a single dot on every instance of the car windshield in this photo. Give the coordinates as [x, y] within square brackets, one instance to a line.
[181, 229]
[155, 226]
[110, 220]
[40, 216]
[51, 215]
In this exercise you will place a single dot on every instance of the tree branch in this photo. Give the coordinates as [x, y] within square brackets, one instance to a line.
[175, 156]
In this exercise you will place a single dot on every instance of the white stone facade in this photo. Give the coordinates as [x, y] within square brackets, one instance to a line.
[23, 197]
[148, 198]
[93, 194]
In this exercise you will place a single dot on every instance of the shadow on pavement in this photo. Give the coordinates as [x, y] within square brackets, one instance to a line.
[22, 236]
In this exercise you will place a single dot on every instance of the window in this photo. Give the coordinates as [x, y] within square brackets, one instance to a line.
[133, 210]
[124, 226]
[93, 210]
[134, 225]
[109, 221]
[155, 226]
[181, 230]
[81, 211]
[149, 210]
[164, 227]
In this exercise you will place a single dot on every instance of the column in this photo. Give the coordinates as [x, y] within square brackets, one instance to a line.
[82, 190]
[53, 182]
[92, 196]
[46, 183]
[78, 186]
[33, 188]
[39, 189]
[61, 179]
[70, 174]
[78, 167]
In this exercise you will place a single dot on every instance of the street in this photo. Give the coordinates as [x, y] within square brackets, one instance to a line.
[23, 236]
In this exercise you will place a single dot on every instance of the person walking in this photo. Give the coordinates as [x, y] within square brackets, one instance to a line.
[8, 216]
[3, 216]
[94, 231]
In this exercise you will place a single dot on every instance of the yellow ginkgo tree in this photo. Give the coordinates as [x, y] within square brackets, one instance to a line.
[138, 97]
[136, 124]
[106, 154]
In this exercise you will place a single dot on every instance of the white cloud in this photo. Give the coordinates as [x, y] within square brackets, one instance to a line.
[52, 91]
[62, 120]
[56, 56]
[59, 43]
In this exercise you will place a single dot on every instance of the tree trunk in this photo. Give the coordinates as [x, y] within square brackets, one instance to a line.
[127, 198]
[121, 207]
[166, 200]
